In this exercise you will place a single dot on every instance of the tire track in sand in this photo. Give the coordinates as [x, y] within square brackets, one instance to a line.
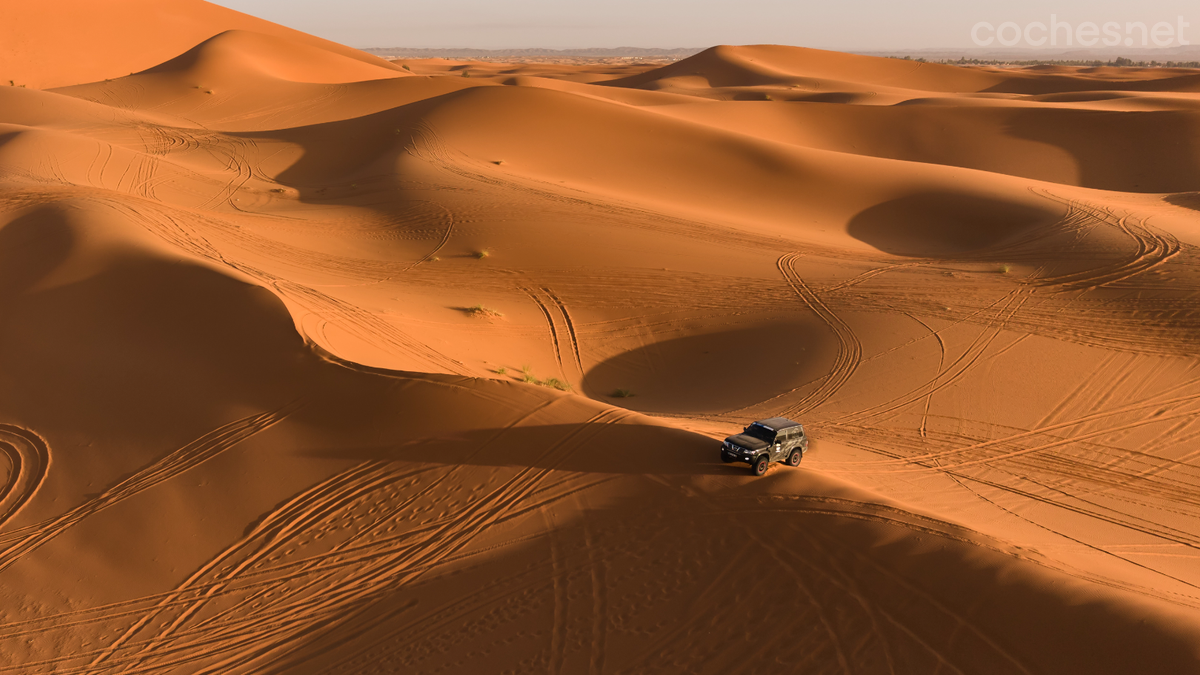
[29, 457]
[849, 347]
[563, 337]
[555, 341]
[189, 456]
[182, 637]
[562, 308]
[1153, 248]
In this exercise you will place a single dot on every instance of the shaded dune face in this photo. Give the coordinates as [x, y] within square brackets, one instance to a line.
[31, 247]
[946, 224]
[717, 372]
[309, 362]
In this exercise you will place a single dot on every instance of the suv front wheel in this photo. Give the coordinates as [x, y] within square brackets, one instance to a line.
[760, 466]
[794, 458]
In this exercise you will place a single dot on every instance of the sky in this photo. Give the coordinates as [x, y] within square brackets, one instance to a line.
[851, 25]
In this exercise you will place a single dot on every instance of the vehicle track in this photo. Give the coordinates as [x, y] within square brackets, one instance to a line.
[1161, 401]
[963, 482]
[849, 347]
[366, 326]
[28, 456]
[17, 543]
[555, 341]
[952, 373]
[180, 629]
[571, 334]
[428, 145]
[563, 338]
[1153, 247]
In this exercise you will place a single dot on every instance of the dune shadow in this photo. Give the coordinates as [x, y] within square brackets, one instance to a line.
[1144, 151]
[165, 340]
[31, 247]
[944, 224]
[1188, 200]
[842, 97]
[716, 372]
[583, 447]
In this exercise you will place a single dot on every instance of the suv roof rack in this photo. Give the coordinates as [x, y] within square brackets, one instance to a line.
[777, 423]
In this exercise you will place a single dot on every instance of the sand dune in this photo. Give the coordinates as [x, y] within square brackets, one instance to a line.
[726, 71]
[274, 315]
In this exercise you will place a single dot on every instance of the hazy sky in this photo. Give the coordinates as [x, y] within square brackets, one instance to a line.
[828, 24]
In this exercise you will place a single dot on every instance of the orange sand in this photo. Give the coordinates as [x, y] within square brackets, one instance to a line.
[250, 424]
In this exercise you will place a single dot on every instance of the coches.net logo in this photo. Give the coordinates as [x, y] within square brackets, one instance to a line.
[1087, 34]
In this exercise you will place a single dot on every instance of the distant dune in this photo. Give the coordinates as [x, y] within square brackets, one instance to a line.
[77, 41]
[312, 362]
[594, 53]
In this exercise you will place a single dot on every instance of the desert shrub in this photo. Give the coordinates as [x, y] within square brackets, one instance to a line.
[484, 312]
[555, 383]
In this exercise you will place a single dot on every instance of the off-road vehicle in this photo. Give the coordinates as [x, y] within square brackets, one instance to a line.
[766, 442]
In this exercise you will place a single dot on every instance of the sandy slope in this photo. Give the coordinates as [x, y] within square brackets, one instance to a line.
[76, 41]
[250, 423]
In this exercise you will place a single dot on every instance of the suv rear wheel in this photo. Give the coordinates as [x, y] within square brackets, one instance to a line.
[760, 466]
[795, 457]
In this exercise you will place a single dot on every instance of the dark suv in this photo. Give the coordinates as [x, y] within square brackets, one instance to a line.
[766, 442]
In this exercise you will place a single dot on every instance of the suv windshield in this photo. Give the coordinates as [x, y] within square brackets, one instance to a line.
[761, 433]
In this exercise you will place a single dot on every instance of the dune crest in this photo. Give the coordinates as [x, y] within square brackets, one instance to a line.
[272, 57]
[70, 42]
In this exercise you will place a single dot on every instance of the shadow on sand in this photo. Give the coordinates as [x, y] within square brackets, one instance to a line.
[584, 447]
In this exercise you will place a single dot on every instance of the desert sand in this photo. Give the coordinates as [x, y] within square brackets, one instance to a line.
[309, 360]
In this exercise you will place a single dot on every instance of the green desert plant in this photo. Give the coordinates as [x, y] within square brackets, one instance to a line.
[407, 68]
[555, 383]
[466, 73]
[482, 254]
[622, 393]
[502, 370]
[527, 375]
[1005, 268]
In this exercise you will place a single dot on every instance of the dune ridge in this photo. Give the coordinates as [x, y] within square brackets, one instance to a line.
[77, 41]
[310, 361]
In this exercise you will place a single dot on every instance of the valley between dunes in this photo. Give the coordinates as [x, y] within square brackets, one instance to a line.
[267, 304]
